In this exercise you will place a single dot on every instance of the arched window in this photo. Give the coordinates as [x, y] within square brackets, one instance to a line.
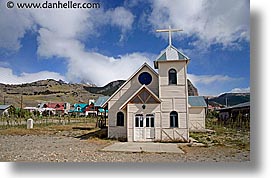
[120, 119]
[172, 76]
[174, 119]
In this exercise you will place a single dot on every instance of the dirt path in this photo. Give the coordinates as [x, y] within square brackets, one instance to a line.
[56, 148]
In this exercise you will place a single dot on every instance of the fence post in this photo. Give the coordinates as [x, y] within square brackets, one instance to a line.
[30, 123]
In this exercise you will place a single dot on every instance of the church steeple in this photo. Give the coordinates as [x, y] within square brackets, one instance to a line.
[171, 53]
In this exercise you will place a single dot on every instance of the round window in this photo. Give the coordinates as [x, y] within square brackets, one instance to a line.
[145, 78]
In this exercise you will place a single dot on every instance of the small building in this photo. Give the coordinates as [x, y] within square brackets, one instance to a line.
[242, 109]
[31, 109]
[197, 113]
[90, 109]
[59, 108]
[79, 109]
[150, 105]
[4, 110]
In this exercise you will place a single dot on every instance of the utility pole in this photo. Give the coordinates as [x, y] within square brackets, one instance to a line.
[21, 102]
[226, 101]
[21, 105]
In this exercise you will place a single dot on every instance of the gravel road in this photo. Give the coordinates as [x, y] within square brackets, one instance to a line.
[55, 148]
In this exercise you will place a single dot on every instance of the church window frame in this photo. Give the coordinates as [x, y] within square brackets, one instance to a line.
[120, 119]
[172, 76]
[174, 119]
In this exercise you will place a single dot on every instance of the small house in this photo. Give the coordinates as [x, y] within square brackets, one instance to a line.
[242, 109]
[197, 113]
[90, 109]
[4, 110]
[79, 109]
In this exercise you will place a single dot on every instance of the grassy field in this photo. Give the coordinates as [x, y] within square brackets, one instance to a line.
[224, 136]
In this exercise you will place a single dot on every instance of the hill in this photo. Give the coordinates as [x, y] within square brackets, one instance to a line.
[231, 98]
[58, 91]
[44, 90]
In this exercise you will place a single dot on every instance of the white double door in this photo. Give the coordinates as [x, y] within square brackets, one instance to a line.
[144, 127]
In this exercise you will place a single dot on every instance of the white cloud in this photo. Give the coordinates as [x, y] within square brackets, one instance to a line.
[61, 33]
[4, 64]
[74, 24]
[99, 69]
[240, 90]
[213, 84]
[8, 77]
[209, 79]
[13, 26]
[121, 18]
[211, 21]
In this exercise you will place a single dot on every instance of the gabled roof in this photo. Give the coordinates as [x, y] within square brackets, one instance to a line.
[196, 101]
[171, 53]
[4, 107]
[137, 92]
[55, 105]
[101, 100]
[81, 105]
[101, 110]
[127, 81]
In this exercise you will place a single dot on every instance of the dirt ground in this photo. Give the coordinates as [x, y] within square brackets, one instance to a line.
[59, 144]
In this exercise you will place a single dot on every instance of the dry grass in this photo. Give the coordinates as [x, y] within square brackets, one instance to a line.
[239, 139]
[99, 141]
[43, 130]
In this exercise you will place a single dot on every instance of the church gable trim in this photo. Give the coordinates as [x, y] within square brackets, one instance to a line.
[171, 53]
[142, 96]
[129, 79]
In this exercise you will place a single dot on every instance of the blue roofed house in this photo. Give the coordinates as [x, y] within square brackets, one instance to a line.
[79, 108]
[197, 113]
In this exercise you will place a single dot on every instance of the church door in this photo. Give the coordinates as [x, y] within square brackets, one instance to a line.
[139, 128]
[150, 126]
[144, 127]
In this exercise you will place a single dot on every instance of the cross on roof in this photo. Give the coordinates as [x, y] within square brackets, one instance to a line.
[169, 30]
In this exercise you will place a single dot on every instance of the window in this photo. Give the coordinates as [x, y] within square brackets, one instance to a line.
[174, 119]
[120, 119]
[149, 120]
[172, 76]
[139, 120]
[145, 78]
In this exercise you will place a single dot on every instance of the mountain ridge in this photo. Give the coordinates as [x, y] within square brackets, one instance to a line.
[50, 90]
[229, 99]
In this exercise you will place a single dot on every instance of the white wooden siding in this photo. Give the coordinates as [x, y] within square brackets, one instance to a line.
[196, 118]
[123, 95]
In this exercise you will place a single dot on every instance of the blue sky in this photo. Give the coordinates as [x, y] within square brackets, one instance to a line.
[110, 43]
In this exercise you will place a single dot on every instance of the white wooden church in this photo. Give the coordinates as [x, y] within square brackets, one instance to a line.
[153, 106]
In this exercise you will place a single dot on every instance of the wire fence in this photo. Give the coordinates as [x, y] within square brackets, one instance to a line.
[54, 120]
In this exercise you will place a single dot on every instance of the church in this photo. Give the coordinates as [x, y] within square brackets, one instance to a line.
[154, 106]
